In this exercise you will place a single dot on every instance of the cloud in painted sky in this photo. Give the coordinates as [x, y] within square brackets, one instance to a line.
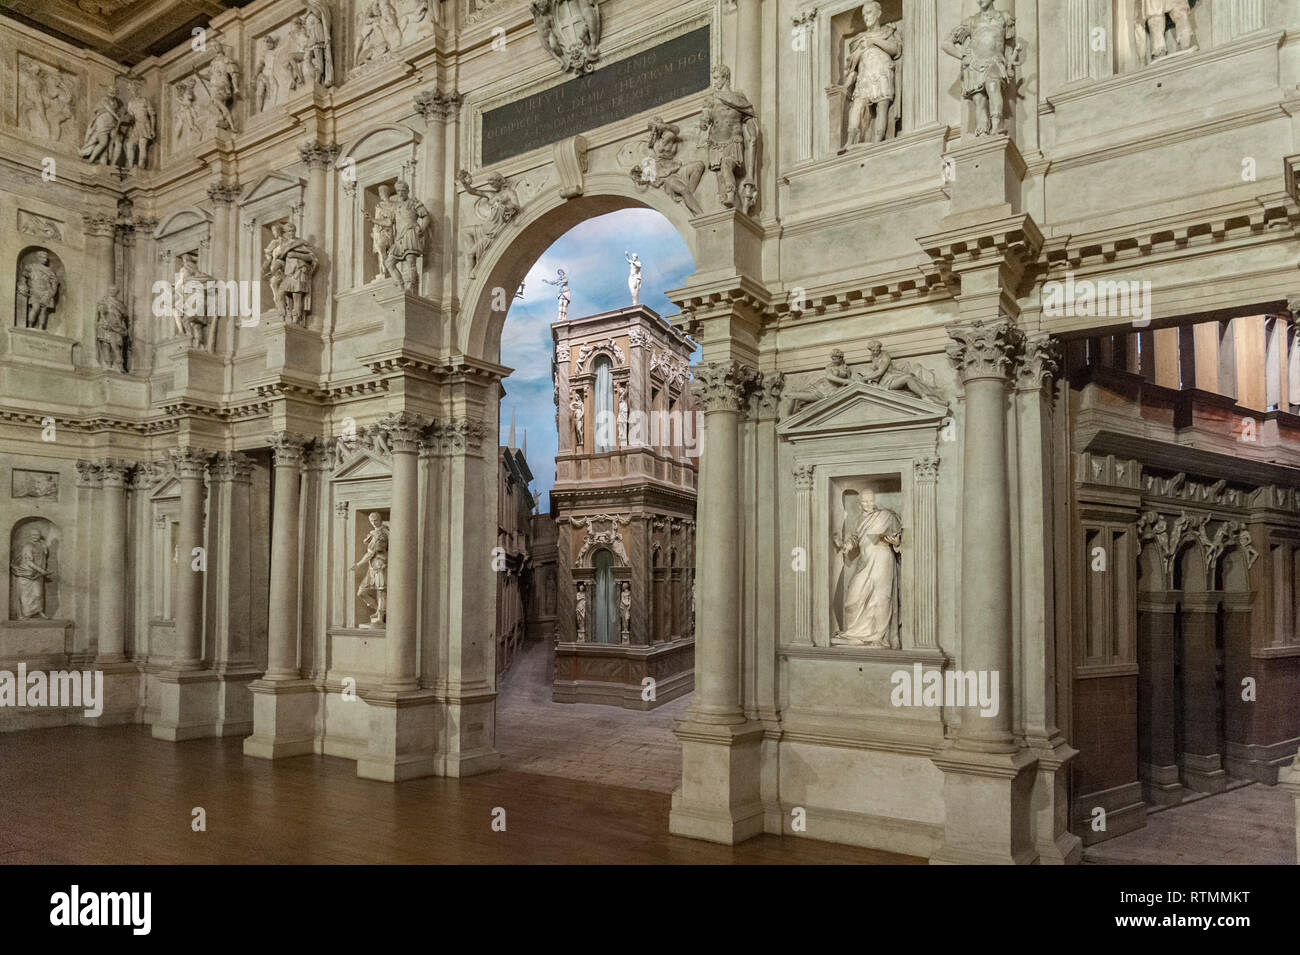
[592, 255]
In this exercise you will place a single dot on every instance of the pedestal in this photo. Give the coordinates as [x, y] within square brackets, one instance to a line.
[403, 736]
[1288, 779]
[187, 705]
[986, 174]
[719, 798]
[987, 808]
[195, 372]
[284, 714]
[1051, 803]
[121, 700]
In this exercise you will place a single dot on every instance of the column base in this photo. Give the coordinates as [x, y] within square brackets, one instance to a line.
[467, 729]
[1161, 786]
[988, 808]
[1204, 774]
[234, 702]
[121, 694]
[720, 798]
[284, 719]
[403, 736]
[187, 705]
[1057, 845]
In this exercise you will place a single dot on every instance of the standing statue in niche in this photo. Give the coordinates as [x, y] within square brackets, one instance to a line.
[1149, 27]
[576, 411]
[30, 568]
[410, 224]
[884, 372]
[570, 32]
[622, 415]
[373, 591]
[563, 299]
[580, 613]
[730, 137]
[103, 142]
[112, 330]
[663, 170]
[833, 377]
[142, 128]
[869, 544]
[190, 301]
[40, 285]
[990, 58]
[223, 85]
[320, 56]
[871, 74]
[295, 260]
[625, 610]
[634, 276]
[381, 229]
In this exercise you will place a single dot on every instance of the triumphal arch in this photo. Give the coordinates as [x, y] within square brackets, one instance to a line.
[999, 501]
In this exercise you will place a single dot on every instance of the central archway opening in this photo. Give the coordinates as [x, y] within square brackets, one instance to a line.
[598, 472]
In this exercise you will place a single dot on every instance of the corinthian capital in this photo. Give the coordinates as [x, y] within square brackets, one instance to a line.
[722, 385]
[766, 398]
[189, 462]
[984, 349]
[318, 154]
[115, 472]
[1040, 362]
[435, 104]
[402, 432]
[287, 448]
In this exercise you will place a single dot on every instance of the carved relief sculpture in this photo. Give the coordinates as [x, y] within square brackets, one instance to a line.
[1150, 19]
[563, 299]
[498, 205]
[871, 76]
[729, 135]
[187, 110]
[990, 58]
[112, 330]
[141, 126]
[30, 568]
[264, 81]
[39, 284]
[373, 591]
[291, 267]
[884, 372]
[576, 410]
[570, 32]
[320, 55]
[378, 32]
[103, 142]
[410, 226]
[661, 169]
[634, 276]
[869, 543]
[833, 377]
[223, 85]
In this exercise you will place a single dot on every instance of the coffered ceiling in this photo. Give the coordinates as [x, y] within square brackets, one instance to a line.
[124, 30]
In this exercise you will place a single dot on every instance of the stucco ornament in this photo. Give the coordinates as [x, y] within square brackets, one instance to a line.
[990, 57]
[570, 32]
[730, 137]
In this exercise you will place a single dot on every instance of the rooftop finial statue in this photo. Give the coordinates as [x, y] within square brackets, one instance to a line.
[634, 276]
[562, 300]
[990, 57]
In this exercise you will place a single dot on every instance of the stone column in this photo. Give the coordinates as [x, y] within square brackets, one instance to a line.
[282, 625]
[231, 593]
[317, 157]
[188, 693]
[403, 565]
[803, 507]
[112, 566]
[101, 246]
[222, 262]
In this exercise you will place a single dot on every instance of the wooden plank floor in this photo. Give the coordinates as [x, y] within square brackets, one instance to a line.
[79, 795]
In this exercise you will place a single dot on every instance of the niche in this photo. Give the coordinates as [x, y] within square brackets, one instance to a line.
[39, 289]
[866, 546]
[34, 579]
[876, 74]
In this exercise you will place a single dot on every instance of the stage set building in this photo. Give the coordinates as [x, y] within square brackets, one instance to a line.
[997, 505]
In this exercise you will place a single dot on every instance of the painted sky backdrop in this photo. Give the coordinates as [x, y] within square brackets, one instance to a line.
[592, 255]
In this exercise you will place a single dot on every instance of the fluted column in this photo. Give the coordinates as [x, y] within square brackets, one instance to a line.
[403, 432]
[920, 65]
[748, 70]
[982, 353]
[191, 465]
[927, 551]
[803, 485]
[720, 389]
[112, 569]
[282, 625]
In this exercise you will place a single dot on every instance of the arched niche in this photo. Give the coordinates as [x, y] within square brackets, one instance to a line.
[34, 548]
[270, 202]
[40, 291]
[1192, 572]
[1234, 571]
[379, 156]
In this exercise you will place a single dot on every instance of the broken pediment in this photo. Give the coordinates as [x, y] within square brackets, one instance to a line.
[860, 408]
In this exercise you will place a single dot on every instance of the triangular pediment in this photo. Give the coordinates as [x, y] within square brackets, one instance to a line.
[859, 408]
[364, 465]
[272, 184]
[171, 487]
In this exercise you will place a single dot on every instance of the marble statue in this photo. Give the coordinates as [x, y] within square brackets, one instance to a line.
[223, 84]
[31, 98]
[580, 612]
[187, 110]
[884, 372]
[190, 301]
[320, 55]
[661, 169]
[577, 410]
[274, 271]
[295, 261]
[499, 206]
[410, 227]
[634, 276]
[625, 609]
[622, 415]
[990, 58]
[563, 299]
[381, 228]
[60, 102]
[834, 377]
[871, 76]
[570, 32]
[379, 32]
[141, 126]
[264, 81]
[112, 330]
[373, 591]
[103, 142]
[869, 545]
[1149, 27]
[729, 135]
[296, 45]
[30, 568]
[39, 285]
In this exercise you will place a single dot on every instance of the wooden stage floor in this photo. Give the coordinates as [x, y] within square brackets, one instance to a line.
[78, 795]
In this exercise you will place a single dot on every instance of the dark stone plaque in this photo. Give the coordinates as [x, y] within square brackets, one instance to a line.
[651, 78]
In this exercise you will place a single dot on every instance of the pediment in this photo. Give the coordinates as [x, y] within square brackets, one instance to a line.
[861, 408]
[272, 184]
[171, 487]
[181, 220]
[364, 465]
